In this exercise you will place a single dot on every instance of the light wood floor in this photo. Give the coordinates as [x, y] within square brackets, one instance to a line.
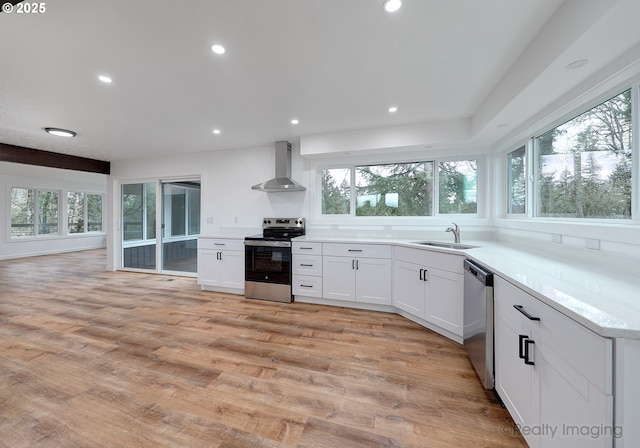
[90, 358]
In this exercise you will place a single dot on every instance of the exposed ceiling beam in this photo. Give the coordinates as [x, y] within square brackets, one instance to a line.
[28, 156]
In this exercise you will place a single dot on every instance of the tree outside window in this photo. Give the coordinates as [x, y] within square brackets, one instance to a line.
[584, 166]
[457, 186]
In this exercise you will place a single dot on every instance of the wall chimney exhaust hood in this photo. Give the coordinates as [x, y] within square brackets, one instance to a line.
[282, 181]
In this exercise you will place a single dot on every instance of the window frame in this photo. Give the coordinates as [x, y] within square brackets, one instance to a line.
[532, 170]
[36, 212]
[482, 179]
[86, 195]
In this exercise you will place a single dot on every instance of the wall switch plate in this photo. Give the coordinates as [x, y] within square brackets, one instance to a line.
[591, 243]
[556, 238]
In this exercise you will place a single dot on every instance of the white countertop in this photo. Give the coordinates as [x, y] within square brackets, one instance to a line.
[602, 299]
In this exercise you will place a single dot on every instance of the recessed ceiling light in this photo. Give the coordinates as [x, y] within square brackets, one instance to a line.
[295, 121]
[60, 132]
[578, 64]
[393, 109]
[218, 49]
[216, 131]
[392, 5]
[105, 79]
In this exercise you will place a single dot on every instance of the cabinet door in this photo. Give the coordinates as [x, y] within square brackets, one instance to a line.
[515, 380]
[582, 414]
[373, 280]
[444, 300]
[409, 288]
[232, 269]
[338, 278]
[210, 272]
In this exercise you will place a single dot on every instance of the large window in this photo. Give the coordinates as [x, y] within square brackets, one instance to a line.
[34, 212]
[84, 212]
[584, 166]
[516, 181]
[139, 212]
[401, 189]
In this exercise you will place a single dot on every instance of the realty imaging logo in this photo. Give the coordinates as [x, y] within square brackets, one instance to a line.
[548, 431]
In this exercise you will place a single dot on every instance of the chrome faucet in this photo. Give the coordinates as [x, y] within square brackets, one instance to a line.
[456, 232]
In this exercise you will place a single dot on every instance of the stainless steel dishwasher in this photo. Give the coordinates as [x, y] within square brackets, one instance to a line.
[478, 320]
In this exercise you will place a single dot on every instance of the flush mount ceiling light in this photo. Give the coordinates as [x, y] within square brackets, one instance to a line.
[105, 79]
[392, 5]
[578, 64]
[295, 121]
[393, 109]
[218, 49]
[60, 132]
[216, 131]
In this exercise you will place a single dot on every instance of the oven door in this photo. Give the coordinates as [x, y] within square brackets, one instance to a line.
[268, 270]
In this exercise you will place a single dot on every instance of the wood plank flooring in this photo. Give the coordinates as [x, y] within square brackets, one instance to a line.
[90, 358]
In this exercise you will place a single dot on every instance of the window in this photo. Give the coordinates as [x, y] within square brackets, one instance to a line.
[401, 189]
[457, 186]
[398, 189]
[516, 181]
[584, 166]
[33, 212]
[139, 212]
[336, 191]
[84, 212]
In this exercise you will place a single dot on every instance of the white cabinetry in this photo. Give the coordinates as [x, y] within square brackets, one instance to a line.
[357, 273]
[429, 285]
[554, 375]
[221, 265]
[307, 269]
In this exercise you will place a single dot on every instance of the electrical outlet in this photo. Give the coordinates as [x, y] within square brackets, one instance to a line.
[591, 243]
[556, 238]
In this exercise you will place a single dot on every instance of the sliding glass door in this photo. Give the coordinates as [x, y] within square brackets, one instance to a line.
[180, 225]
[170, 247]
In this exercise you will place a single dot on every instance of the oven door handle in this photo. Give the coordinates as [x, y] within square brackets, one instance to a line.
[259, 243]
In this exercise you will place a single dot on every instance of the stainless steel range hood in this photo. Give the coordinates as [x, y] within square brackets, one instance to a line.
[282, 181]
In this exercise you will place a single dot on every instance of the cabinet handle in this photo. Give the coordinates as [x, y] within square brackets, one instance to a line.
[424, 275]
[220, 244]
[527, 361]
[521, 338]
[353, 264]
[220, 254]
[421, 271]
[306, 265]
[305, 248]
[529, 316]
[355, 250]
[306, 286]
[523, 348]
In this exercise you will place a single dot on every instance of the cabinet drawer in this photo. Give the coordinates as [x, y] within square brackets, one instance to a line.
[357, 250]
[303, 248]
[431, 258]
[220, 244]
[305, 285]
[307, 264]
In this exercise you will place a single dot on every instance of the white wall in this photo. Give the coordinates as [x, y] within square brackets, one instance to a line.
[18, 175]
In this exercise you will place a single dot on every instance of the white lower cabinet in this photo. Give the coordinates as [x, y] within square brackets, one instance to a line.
[357, 273]
[554, 375]
[307, 269]
[429, 285]
[221, 265]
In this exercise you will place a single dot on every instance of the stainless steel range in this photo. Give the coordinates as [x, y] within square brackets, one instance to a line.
[268, 259]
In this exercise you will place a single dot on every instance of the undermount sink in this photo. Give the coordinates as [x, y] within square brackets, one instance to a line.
[445, 245]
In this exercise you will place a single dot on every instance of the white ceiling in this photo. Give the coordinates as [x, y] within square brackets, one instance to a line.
[335, 65]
